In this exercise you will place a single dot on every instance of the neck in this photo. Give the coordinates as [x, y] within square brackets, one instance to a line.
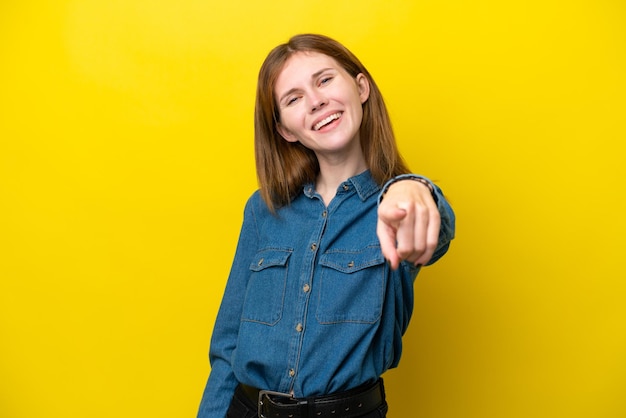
[333, 174]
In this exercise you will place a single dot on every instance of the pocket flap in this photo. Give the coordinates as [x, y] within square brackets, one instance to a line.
[269, 258]
[347, 261]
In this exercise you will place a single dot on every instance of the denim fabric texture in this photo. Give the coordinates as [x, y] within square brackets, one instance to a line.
[311, 306]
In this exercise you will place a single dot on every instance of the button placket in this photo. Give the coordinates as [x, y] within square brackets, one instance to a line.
[299, 327]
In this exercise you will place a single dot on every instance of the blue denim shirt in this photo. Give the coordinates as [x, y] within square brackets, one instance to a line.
[311, 307]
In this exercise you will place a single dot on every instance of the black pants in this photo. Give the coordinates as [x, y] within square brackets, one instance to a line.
[242, 407]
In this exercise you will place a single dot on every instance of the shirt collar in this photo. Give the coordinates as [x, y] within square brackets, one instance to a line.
[363, 183]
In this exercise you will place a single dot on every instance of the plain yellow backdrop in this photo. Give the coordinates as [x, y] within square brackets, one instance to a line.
[126, 158]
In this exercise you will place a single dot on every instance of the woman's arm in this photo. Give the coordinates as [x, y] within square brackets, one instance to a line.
[221, 385]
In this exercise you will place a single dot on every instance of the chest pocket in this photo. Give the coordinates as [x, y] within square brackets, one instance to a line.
[265, 294]
[352, 287]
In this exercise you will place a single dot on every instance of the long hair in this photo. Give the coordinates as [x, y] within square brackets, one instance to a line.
[283, 167]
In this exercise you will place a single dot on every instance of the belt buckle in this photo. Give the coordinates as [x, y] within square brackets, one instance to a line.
[268, 393]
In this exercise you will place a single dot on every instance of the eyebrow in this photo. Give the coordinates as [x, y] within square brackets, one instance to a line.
[313, 76]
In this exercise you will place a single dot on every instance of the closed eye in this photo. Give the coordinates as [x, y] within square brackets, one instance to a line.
[325, 80]
[291, 100]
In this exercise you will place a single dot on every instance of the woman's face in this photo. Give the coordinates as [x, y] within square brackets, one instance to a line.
[320, 104]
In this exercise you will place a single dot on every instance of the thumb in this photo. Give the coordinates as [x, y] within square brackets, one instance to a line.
[392, 216]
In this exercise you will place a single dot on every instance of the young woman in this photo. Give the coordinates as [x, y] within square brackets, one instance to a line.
[321, 287]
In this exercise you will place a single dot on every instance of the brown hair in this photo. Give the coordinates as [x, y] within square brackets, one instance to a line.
[284, 167]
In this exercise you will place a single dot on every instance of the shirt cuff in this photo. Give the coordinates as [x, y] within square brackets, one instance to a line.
[414, 177]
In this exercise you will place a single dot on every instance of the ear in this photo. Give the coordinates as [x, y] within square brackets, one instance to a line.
[363, 85]
[285, 133]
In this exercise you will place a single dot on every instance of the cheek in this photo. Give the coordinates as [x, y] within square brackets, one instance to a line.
[290, 119]
[358, 114]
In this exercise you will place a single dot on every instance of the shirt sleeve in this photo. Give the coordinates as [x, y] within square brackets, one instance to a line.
[221, 384]
[448, 218]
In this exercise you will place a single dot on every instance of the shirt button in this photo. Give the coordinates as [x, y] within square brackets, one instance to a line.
[292, 372]
[324, 214]
[306, 288]
[313, 247]
[299, 327]
[346, 187]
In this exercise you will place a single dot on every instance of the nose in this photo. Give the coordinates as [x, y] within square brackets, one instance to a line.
[317, 102]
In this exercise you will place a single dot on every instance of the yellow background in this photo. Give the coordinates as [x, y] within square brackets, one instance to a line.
[126, 158]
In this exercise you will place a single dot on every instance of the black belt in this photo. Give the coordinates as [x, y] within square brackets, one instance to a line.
[352, 403]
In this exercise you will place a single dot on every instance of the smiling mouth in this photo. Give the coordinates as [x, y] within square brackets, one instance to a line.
[319, 125]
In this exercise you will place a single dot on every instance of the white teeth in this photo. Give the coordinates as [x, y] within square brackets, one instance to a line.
[326, 121]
